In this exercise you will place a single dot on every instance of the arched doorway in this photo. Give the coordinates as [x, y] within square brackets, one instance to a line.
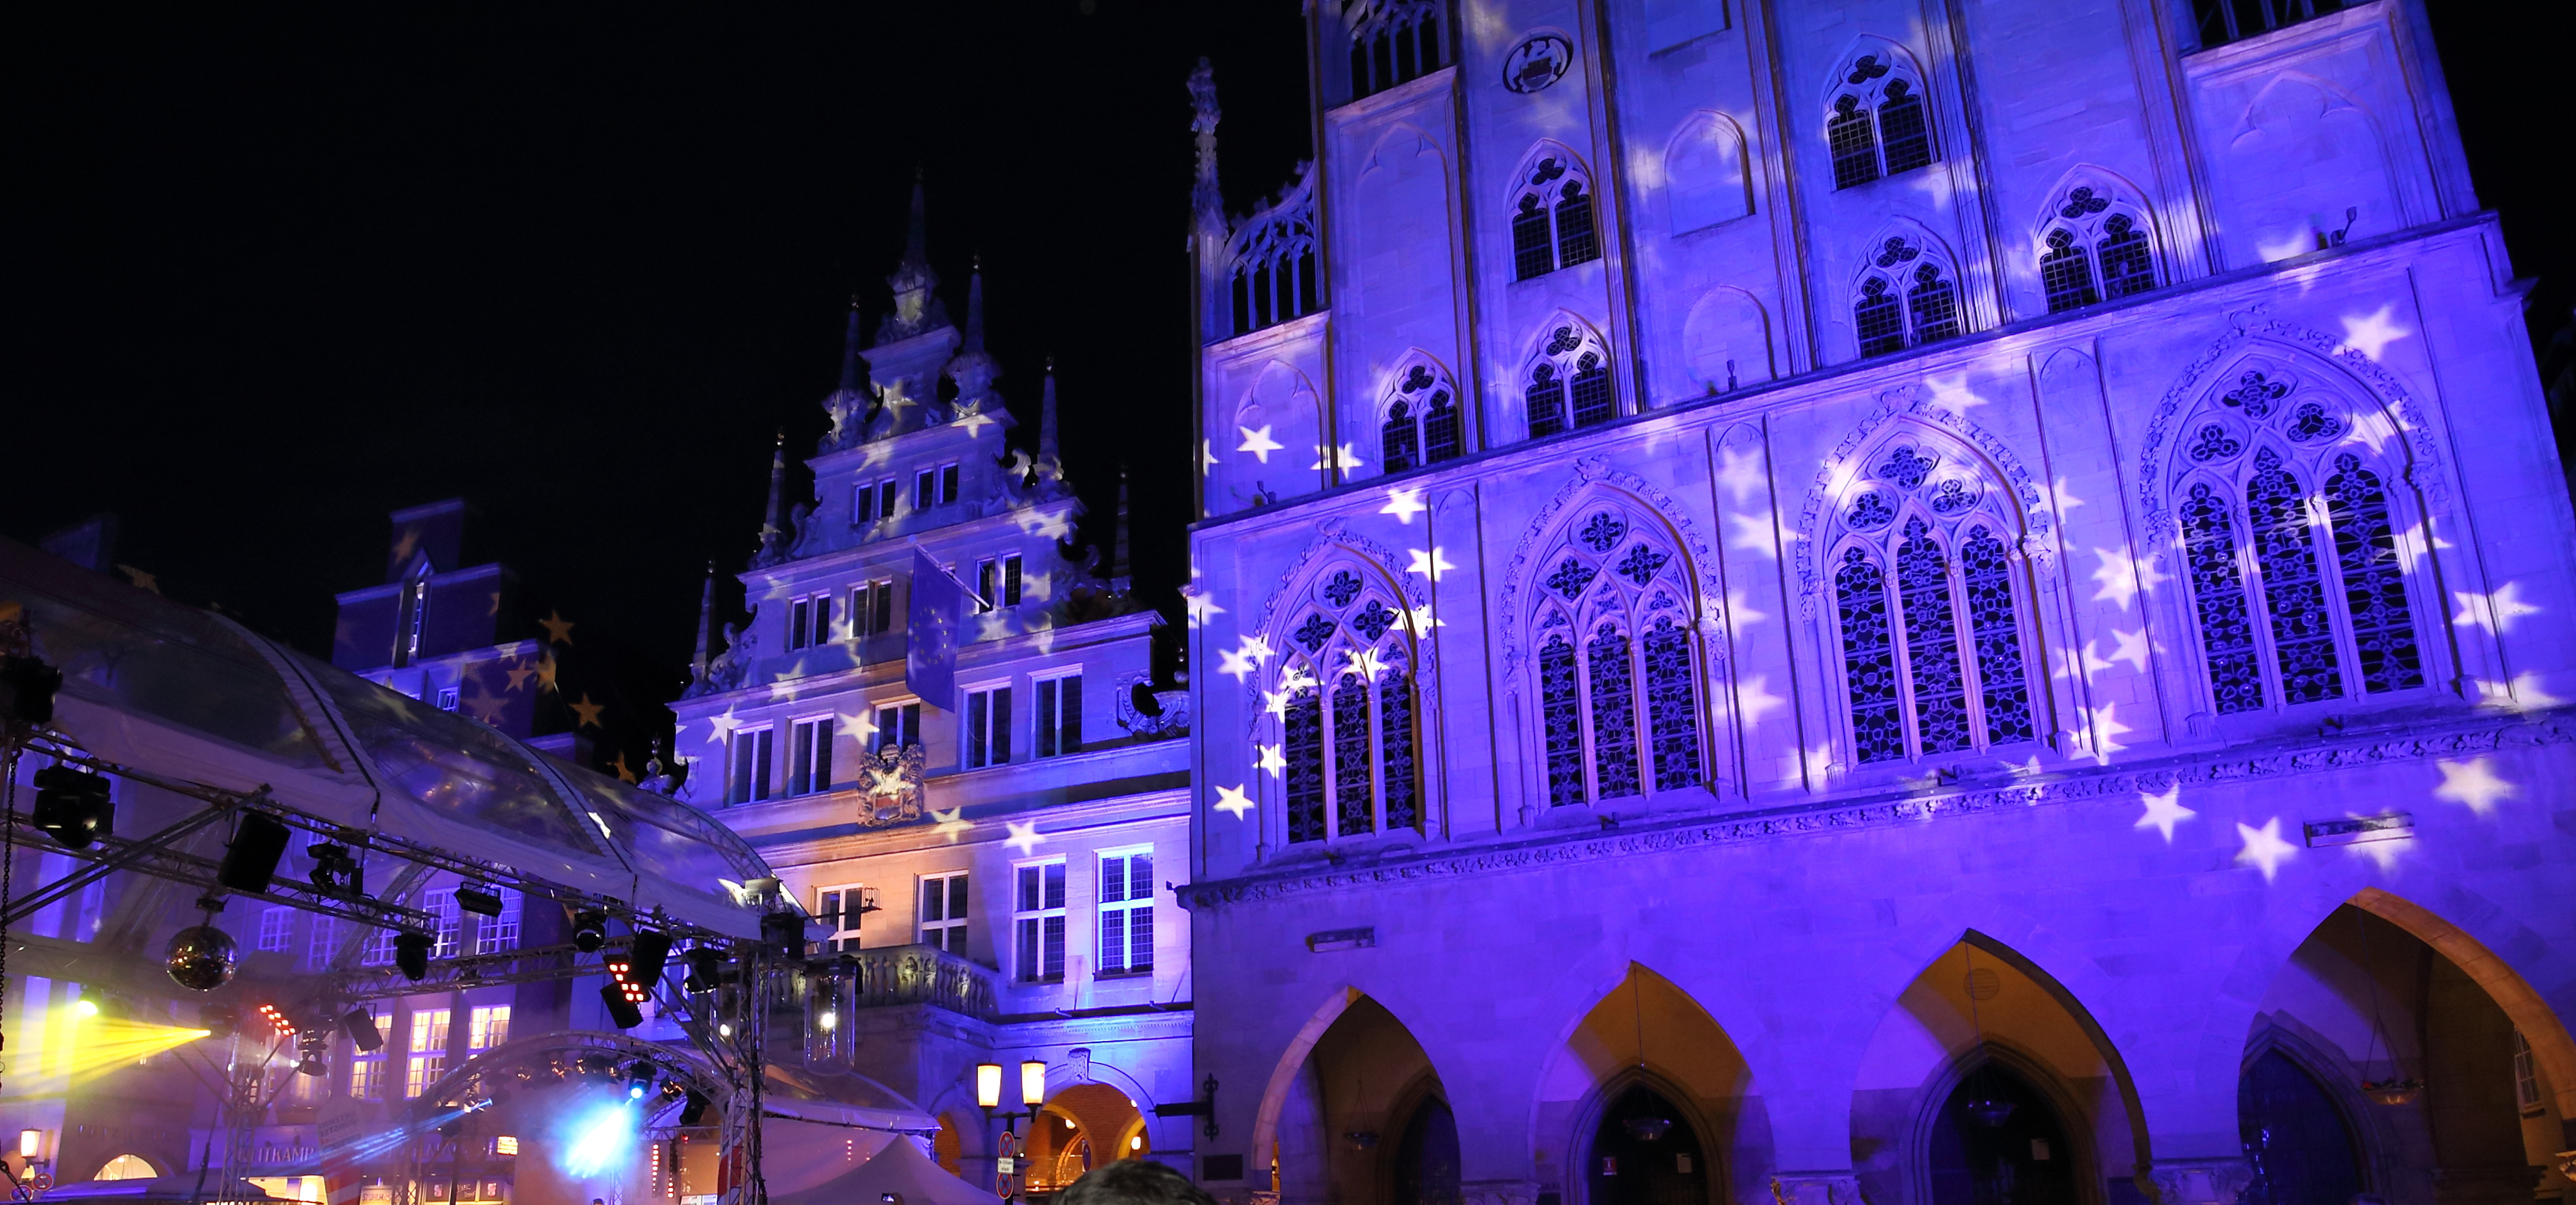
[1996, 1141]
[2295, 1139]
[1646, 1153]
[1426, 1158]
[1078, 1129]
[1343, 1106]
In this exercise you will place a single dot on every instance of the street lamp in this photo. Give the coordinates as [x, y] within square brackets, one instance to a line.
[988, 1096]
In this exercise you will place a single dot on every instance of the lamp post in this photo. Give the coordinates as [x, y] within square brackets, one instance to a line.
[988, 1096]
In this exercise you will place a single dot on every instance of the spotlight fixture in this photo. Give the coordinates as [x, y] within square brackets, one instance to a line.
[250, 860]
[481, 899]
[335, 872]
[694, 1112]
[592, 1064]
[706, 970]
[411, 955]
[673, 1089]
[310, 1046]
[589, 930]
[27, 687]
[218, 1020]
[73, 806]
[362, 1031]
[621, 1007]
[785, 932]
[650, 953]
[276, 1018]
[200, 957]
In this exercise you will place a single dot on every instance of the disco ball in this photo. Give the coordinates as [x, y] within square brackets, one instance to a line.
[201, 957]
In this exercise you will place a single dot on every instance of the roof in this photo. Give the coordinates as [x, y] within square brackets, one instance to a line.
[186, 694]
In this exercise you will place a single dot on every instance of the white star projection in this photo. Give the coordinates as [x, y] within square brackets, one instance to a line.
[1430, 563]
[2372, 334]
[2264, 847]
[1259, 443]
[2383, 853]
[1403, 504]
[1424, 620]
[2107, 729]
[2523, 693]
[2062, 499]
[1740, 612]
[1241, 660]
[861, 727]
[2495, 611]
[886, 782]
[1817, 762]
[950, 826]
[1297, 678]
[2025, 769]
[1366, 663]
[1234, 801]
[1951, 395]
[1202, 605]
[1207, 457]
[974, 421]
[992, 625]
[1754, 700]
[1753, 533]
[1345, 457]
[1024, 836]
[1739, 472]
[2413, 547]
[1276, 701]
[1050, 525]
[2124, 578]
[2474, 784]
[2164, 811]
[723, 726]
[2130, 647]
[1271, 760]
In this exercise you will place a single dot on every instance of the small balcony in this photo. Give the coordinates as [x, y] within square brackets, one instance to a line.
[919, 974]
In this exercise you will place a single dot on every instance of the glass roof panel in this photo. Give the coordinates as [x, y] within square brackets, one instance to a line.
[456, 766]
[667, 838]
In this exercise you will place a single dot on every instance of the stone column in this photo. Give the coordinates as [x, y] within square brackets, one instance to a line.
[1815, 1188]
[2196, 1181]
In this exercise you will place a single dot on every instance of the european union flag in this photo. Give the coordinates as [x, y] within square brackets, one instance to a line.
[930, 655]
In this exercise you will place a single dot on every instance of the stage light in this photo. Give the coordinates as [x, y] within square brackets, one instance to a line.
[276, 1017]
[221, 1020]
[481, 899]
[592, 1064]
[589, 930]
[635, 1091]
[27, 687]
[73, 806]
[988, 1085]
[250, 860]
[362, 1030]
[695, 1111]
[310, 1047]
[706, 968]
[85, 1007]
[784, 932]
[673, 1089]
[200, 957]
[597, 1139]
[1032, 1083]
[621, 1007]
[827, 1021]
[335, 873]
[411, 955]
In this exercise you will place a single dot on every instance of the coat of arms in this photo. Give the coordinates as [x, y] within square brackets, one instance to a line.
[890, 785]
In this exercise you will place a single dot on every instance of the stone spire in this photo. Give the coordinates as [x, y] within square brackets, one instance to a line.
[1207, 202]
[973, 370]
[975, 308]
[774, 536]
[706, 620]
[916, 296]
[853, 365]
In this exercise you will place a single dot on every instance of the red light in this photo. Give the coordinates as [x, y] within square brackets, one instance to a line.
[277, 1020]
[619, 969]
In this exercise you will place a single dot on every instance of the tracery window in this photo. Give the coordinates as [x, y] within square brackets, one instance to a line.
[1928, 600]
[1347, 706]
[2224, 21]
[1419, 423]
[2284, 517]
[1908, 297]
[2096, 249]
[1275, 275]
[1567, 382]
[1393, 42]
[1552, 224]
[1618, 698]
[1876, 124]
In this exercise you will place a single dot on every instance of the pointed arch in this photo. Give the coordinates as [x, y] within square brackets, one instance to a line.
[1362, 1025]
[2475, 954]
[1277, 420]
[1420, 414]
[1877, 116]
[1644, 1030]
[1726, 340]
[1905, 290]
[1550, 208]
[1707, 180]
[2096, 240]
[1565, 377]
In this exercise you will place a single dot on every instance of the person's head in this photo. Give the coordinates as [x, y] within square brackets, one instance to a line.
[1134, 1182]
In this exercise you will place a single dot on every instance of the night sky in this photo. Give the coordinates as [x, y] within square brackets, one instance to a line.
[275, 274]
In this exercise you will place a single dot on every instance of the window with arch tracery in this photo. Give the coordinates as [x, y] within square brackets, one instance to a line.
[2290, 545]
[1347, 712]
[1877, 124]
[1275, 275]
[1908, 298]
[1928, 602]
[2096, 249]
[1420, 423]
[1618, 695]
[1393, 42]
[1567, 383]
[1552, 224]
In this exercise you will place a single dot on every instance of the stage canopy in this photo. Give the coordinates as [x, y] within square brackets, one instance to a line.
[185, 694]
[899, 1168]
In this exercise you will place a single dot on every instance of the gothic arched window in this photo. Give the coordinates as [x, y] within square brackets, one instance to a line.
[1568, 366]
[1392, 42]
[1419, 423]
[1907, 297]
[1552, 220]
[1618, 697]
[1275, 277]
[1928, 604]
[1347, 702]
[2324, 573]
[2094, 228]
[1875, 122]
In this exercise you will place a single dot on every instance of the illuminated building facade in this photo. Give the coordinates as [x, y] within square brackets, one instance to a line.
[1870, 601]
[977, 795]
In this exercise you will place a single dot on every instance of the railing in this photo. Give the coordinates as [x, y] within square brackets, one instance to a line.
[918, 974]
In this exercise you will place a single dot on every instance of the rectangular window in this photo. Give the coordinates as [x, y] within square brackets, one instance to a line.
[947, 484]
[1059, 718]
[1127, 913]
[872, 608]
[898, 725]
[1039, 923]
[988, 727]
[809, 765]
[491, 1027]
[447, 698]
[321, 942]
[997, 582]
[809, 621]
[751, 753]
[863, 504]
[840, 910]
[277, 929]
[943, 911]
[925, 489]
[428, 1051]
[366, 1078]
[441, 903]
[499, 933]
[885, 498]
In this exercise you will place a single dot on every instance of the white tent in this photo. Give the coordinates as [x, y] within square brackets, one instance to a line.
[900, 1169]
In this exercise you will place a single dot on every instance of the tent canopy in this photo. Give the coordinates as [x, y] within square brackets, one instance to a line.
[185, 694]
[901, 1169]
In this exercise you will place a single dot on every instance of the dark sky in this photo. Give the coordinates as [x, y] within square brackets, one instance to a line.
[274, 273]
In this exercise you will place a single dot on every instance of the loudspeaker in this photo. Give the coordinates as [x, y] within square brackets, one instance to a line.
[251, 860]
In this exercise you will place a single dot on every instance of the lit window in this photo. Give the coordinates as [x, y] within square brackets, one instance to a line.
[1038, 922]
[809, 756]
[499, 933]
[943, 911]
[441, 903]
[752, 750]
[1876, 124]
[988, 727]
[322, 943]
[491, 1027]
[1059, 715]
[1127, 912]
[428, 1051]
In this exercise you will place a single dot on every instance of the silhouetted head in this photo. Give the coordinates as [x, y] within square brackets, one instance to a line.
[1134, 1182]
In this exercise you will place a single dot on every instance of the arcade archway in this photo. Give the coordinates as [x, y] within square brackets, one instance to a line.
[1651, 1102]
[1361, 1117]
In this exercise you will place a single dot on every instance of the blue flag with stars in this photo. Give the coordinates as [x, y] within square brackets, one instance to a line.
[930, 655]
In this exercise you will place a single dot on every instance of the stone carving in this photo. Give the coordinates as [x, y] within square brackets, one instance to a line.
[889, 786]
[1171, 714]
[725, 670]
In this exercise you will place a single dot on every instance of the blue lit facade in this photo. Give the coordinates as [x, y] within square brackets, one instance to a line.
[1877, 602]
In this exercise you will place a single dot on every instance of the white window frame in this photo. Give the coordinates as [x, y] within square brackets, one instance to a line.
[449, 939]
[321, 943]
[865, 613]
[809, 619]
[751, 764]
[490, 1027]
[950, 895]
[925, 489]
[842, 908]
[367, 1071]
[2526, 1076]
[906, 731]
[809, 755]
[428, 1061]
[495, 934]
[986, 712]
[1030, 963]
[277, 929]
[447, 698]
[997, 581]
[1046, 697]
[1125, 909]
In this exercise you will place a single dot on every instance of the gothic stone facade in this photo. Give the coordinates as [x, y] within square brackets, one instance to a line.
[1862, 599]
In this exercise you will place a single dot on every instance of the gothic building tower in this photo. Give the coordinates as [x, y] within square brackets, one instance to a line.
[1878, 600]
[940, 731]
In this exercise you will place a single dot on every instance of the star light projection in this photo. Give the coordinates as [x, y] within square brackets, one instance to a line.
[948, 823]
[2473, 783]
[2496, 610]
[2124, 577]
[1259, 443]
[1271, 760]
[2164, 811]
[2264, 847]
[2371, 334]
[1403, 504]
[1202, 606]
[1233, 801]
[1024, 836]
[1429, 562]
